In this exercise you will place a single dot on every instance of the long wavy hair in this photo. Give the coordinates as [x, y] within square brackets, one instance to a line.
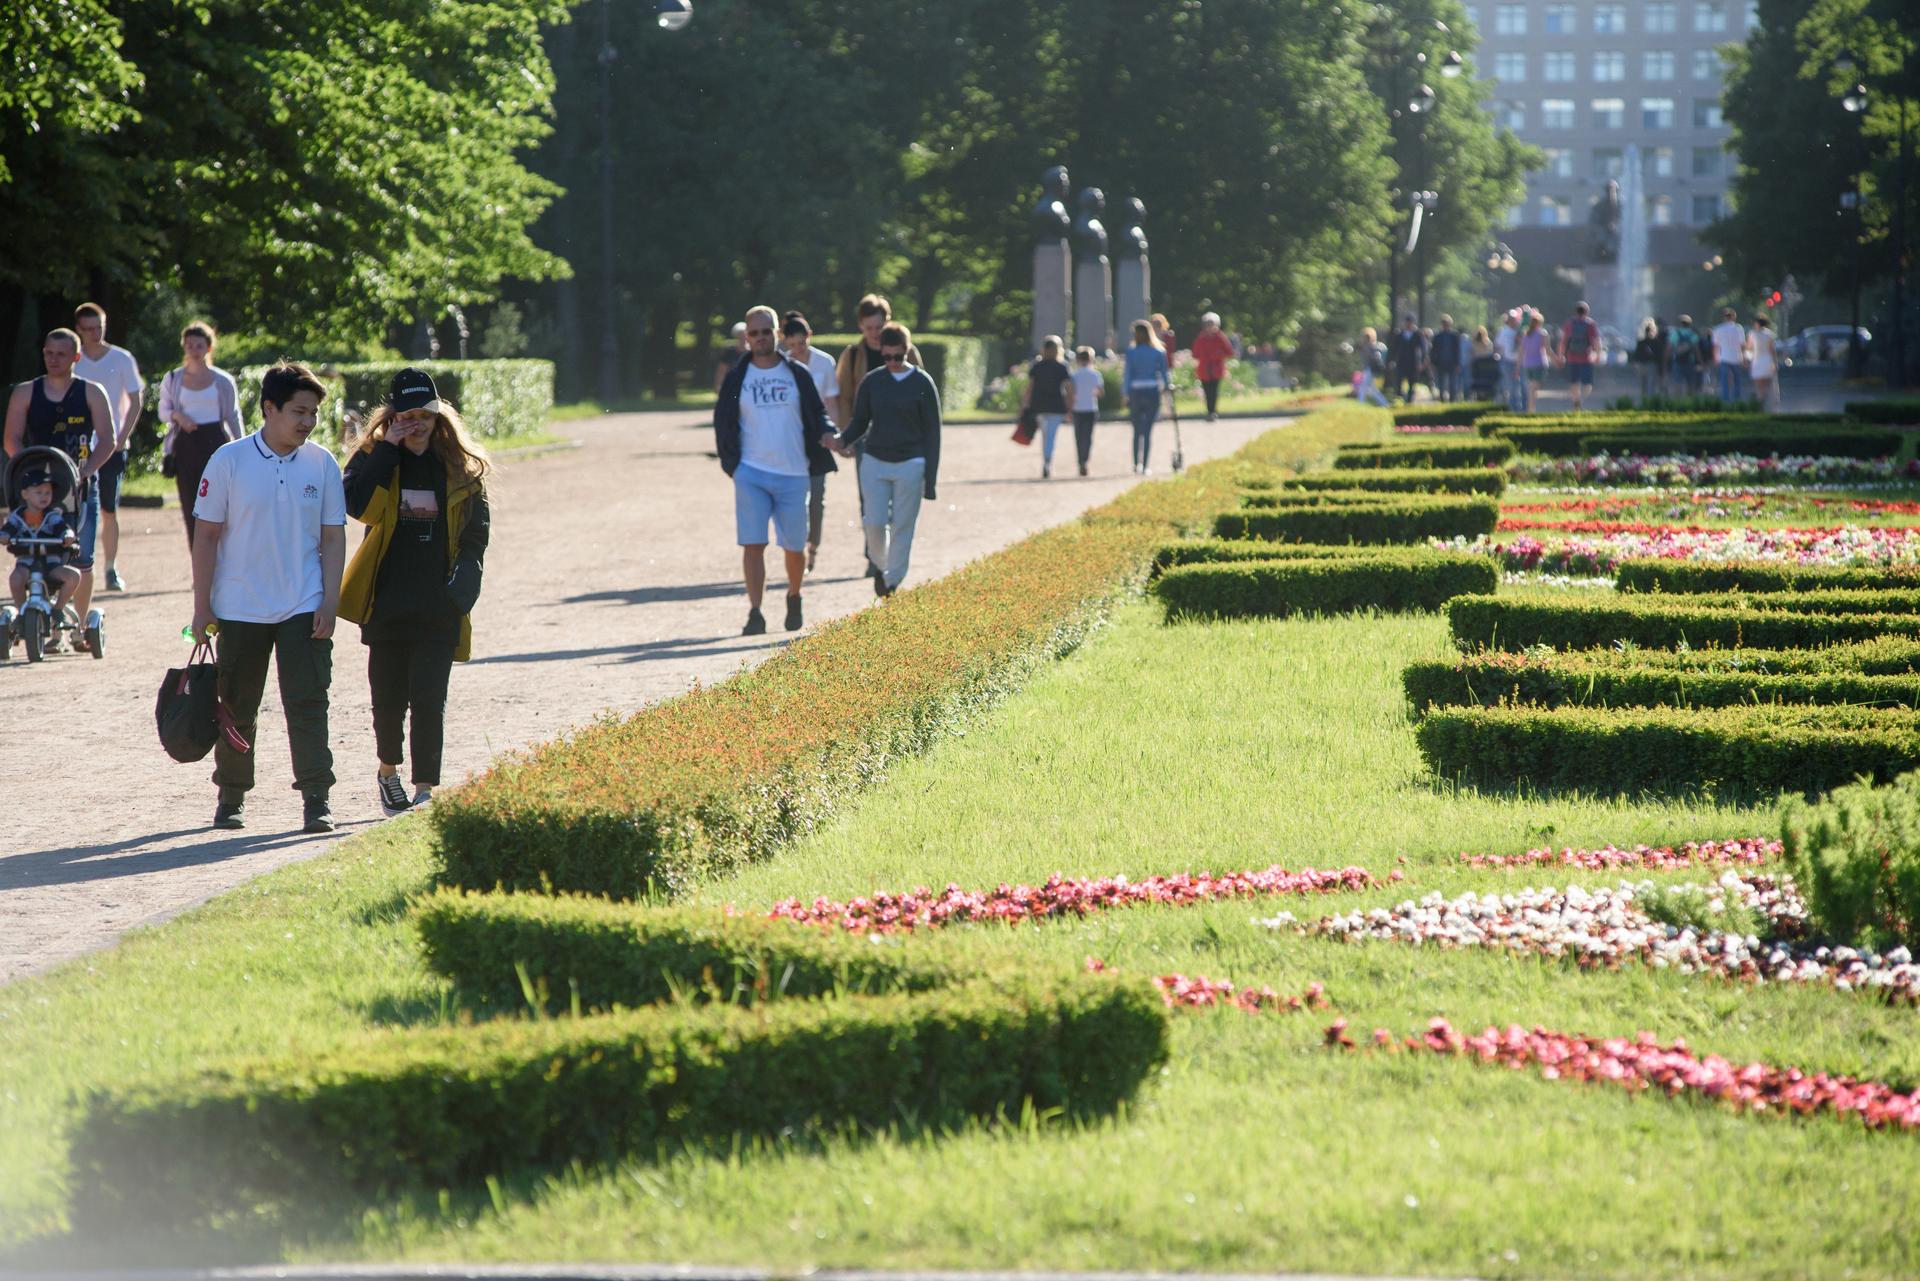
[465, 458]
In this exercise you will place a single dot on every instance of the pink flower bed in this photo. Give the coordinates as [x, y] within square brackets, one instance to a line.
[1706, 469]
[1748, 852]
[1198, 992]
[1644, 1064]
[1435, 429]
[1602, 554]
[921, 908]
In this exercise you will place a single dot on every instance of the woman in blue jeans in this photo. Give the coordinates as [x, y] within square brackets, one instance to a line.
[1145, 376]
[896, 422]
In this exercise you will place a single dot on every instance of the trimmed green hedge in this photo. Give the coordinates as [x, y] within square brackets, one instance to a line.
[957, 363]
[1591, 622]
[1410, 480]
[1748, 750]
[1855, 854]
[439, 1107]
[1458, 414]
[1902, 410]
[1564, 680]
[1411, 518]
[1329, 585]
[1655, 574]
[729, 773]
[1425, 454]
[1207, 551]
[498, 398]
[1265, 499]
[607, 954]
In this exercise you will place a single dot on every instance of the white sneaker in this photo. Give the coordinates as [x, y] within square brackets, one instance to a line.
[393, 795]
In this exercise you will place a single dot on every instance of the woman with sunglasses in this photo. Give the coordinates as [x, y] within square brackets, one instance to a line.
[896, 423]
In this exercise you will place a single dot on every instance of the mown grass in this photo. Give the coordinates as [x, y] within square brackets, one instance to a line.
[1155, 748]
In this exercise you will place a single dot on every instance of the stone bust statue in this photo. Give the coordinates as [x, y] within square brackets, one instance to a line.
[1603, 226]
[1049, 219]
[1089, 234]
[1132, 235]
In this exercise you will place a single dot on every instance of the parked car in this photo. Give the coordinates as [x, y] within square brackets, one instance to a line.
[1821, 345]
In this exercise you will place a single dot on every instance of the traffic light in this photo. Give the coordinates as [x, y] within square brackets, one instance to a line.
[1773, 299]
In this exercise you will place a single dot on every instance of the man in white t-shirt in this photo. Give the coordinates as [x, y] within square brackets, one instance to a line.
[797, 337]
[115, 369]
[270, 541]
[769, 427]
[1513, 381]
[1730, 352]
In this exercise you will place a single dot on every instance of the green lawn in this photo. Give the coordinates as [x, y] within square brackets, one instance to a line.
[1153, 749]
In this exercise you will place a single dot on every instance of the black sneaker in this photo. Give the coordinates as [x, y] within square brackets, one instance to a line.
[393, 796]
[756, 624]
[794, 622]
[319, 815]
[1083, 469]
[230, 814]
[879, 585]
[1046, 471]
[115, 583]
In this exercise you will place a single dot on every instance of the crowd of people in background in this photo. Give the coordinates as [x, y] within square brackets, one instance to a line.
[1511, 362]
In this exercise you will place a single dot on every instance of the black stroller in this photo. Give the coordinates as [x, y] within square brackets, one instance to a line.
[36, 624]
[1484, 377]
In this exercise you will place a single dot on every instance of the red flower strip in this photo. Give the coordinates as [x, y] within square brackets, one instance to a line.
[920, 908]
[1513, 524]
[1644, 1064]
[1749, 852]
[1198, 992]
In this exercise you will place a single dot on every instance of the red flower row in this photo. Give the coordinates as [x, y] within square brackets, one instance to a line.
[1644, 1064]
[1198, 992]
[1513, 524]
[1749, 852]
[921, 908]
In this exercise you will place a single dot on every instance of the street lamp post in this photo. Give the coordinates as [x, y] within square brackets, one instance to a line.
[1850, 203]
[672, 15]
[1499, 259]
[1391, 45]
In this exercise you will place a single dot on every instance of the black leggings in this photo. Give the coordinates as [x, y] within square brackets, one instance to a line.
[1212, 387]
[410, 675]
[191, 450]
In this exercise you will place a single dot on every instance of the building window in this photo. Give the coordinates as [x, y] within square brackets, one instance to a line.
[1609, 65]
[1473, 14]
[1660, 15]
[1557, 66]
[1706, 64]
[1656, 113]
[1608, 163]
[1657, 65]
[1556, 211]
[1609, 113]
[1706, 209]
[1510, 19]
[1706, 113]
[1657, 162]
[1609, 19]
[1753, 15]
[1510, 68]
[1510, 115]
[1706, 162]
[1559, 20]
[1559, 162]
[1556, 113]
[1709, 17]
[1660, 211]
[1516, 215]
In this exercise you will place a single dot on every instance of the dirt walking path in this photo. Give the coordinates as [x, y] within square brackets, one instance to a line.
[640, 600]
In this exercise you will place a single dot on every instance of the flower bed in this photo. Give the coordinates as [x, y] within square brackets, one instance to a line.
[1748, 852]
[1745, 751]
[1643, 1064]
[1847, 545]
[1685, 469]
[1331, 585]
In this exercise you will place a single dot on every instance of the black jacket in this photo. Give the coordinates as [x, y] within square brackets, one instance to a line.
[1449, 350]
[814, 422]
[1407, 351]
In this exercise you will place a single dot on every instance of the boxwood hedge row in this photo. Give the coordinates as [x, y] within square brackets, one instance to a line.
[1839, 443]
[1201, 551]
[1564, 680]
[1328, 585]
[1855, 854]
[1408, 518]
[435, 1107]
[1456, 414]
[1413, 480]
[731, 772]
[1425, 454]
[1748, 750]
[1656, 574]
[1522, 620]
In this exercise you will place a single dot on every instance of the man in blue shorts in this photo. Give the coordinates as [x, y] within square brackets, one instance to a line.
[1580, 344]
[769, 426]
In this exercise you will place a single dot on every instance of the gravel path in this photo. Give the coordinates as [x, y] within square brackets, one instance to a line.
[644, 600]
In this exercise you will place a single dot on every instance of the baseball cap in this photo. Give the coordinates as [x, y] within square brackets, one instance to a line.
[34, 476]
[413, 389]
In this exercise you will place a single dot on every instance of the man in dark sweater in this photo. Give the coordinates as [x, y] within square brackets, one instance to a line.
[896, 422]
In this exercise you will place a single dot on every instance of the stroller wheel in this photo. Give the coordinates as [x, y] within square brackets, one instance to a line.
[96, 634]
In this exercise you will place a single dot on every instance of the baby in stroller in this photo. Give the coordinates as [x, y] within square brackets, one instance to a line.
[39, 485]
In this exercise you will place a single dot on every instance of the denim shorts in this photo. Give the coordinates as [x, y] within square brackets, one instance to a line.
[110, 475]
[1579, 375]
[762, 496]
[87, 528]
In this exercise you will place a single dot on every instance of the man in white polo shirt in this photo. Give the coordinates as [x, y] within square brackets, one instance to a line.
[270, 541]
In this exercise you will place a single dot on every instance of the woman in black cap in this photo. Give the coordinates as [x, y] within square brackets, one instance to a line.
[417, 481]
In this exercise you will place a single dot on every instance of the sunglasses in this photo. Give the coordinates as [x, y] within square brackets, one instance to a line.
[758, 333]
[893, 357]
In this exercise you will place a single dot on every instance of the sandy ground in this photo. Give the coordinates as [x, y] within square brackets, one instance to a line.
[105, 833]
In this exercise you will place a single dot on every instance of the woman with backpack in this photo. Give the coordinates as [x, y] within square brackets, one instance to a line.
[1687, 359]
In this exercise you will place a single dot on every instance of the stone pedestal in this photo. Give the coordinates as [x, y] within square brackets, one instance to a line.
[1092, 274]
[1052, 291]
